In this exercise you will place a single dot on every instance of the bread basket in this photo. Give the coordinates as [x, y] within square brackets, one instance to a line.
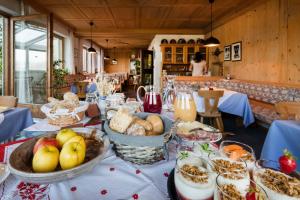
[64, 117]
[20, 160]
[141, 149]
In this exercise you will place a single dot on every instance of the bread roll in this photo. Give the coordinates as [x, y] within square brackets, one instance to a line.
[71, 98]
[121, 121]
[136, 130]
[157, 125]
[147, 125]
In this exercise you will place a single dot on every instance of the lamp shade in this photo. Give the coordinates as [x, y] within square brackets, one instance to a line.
[114, 61]
[106, 58]
[211, 42]
[91, 50]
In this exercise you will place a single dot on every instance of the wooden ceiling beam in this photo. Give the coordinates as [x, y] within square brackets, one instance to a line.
[177, 19]
[101, 31]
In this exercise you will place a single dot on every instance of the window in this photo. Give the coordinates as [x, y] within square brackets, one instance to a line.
[58, 48]
[30, 60]
[84, 59]
[89, 61]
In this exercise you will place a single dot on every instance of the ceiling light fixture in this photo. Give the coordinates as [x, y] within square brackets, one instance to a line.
[211, 41]
[106, 57]
[91, 49]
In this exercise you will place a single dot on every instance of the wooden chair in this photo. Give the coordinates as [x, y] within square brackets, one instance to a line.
[9, 101]
[81, 89]
[288, 110]
[211, 110]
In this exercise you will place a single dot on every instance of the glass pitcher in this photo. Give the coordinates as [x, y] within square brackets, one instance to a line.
[152, 101]
[169, 93]
[185, 107]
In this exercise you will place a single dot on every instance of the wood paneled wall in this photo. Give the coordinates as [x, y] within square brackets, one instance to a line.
[123, 57]
[270, 43]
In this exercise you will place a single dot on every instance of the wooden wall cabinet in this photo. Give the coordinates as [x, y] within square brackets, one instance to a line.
[180, 53]
[176, 58]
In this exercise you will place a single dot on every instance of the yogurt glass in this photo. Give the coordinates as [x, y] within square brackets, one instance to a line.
[193, 180]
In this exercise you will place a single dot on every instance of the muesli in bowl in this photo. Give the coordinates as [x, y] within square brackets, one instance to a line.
[278, 185]
[193, 180]
[228, 191]
[232, 172]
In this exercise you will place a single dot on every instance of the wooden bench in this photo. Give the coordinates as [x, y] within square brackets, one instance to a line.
[262, 95]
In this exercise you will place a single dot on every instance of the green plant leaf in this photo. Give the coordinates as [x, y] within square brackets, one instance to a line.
[183, 155]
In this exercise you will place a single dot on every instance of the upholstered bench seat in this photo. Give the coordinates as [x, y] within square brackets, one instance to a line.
[264, 112]
[263, 96]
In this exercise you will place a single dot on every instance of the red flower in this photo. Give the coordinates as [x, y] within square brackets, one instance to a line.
[112, 169]
[137, 171]
[73, 189]
[135, 196]
[166, 174]
[103, 192]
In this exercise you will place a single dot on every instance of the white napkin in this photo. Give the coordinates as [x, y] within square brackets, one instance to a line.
[1, 117]
[42, 126]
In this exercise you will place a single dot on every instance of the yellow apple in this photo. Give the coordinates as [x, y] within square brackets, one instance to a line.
[45, 159]
[71, 155]
[76, 138]
[64, 135]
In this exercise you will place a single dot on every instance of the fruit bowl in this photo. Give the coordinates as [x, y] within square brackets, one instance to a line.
[20, 161]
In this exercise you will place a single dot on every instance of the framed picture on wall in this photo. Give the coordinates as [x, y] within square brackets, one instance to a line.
[236, 51]
[227, 53]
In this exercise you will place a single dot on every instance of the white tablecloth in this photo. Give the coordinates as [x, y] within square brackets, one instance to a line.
[112, 179]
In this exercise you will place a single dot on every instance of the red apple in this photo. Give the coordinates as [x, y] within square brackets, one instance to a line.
[45, 142]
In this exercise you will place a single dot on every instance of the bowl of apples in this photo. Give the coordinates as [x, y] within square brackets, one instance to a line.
[58, 156]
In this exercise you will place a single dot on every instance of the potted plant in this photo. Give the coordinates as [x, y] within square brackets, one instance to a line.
[59, 73]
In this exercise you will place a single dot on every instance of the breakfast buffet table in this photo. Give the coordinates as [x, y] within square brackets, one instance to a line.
[282, 134]
[14, 121]
[231, 102]
[112, 179]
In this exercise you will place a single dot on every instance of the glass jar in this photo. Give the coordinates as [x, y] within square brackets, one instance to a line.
[184, 106]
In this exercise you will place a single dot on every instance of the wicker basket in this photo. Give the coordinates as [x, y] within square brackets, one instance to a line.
[141, 149]
[65, 119]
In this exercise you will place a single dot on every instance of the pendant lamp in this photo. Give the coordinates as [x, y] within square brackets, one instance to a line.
[91, 49]
[211, 41]
[106, 57]
[114, 61]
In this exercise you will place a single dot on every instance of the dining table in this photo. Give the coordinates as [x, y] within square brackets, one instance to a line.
[231, 102]
[13, 121]
[112, 179]
[282, 134]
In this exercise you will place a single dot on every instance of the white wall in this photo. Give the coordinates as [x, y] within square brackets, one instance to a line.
[157, 60]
